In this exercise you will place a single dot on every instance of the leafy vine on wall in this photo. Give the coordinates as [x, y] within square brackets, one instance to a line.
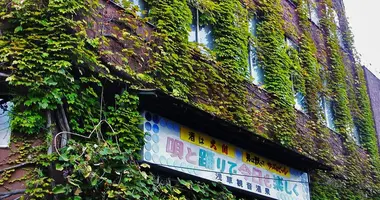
[46, 46]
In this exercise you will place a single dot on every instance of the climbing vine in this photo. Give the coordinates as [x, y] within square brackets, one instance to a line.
[363, 116]
[273, 58]
[308, 52]
[337, 82]
[78, 88]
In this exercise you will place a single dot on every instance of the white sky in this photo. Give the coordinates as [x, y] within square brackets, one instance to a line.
[364, 16]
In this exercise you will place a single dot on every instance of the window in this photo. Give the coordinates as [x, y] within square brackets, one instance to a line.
[139, 3]
[256, 72]
[326, 104]
[328, 112]
[336, 18]
[290, 43]
[5, 131]
[299, 98]
[201, 34]
[300, 105]
[313, 9]
[355, 135]
[338, 30]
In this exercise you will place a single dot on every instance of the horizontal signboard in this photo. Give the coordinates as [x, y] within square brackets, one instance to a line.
[180, 148]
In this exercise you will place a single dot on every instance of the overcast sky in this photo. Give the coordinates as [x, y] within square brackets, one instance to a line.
[364, 18]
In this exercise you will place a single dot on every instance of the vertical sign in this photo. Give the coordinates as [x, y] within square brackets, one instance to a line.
[171, 145]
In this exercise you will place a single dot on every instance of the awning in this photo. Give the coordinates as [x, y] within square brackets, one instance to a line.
[167, 106]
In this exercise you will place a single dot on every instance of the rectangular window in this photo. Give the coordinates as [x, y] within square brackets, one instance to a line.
[355, 135]
[300, 105]
[326, 104]
[328, 112]
[313, 9]
[5, 131]
[290, 43]
[201, 34]
[256, 72]
[299, 98]
[336, 18]
[338, 30]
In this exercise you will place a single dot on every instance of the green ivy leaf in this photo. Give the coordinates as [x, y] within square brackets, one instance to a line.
[18, 29]
[77, 198]
[59, 189]
[144, 174]
[45, 55]
[63, 157]
[58, 166]
[185, 183]
[94, 181]
[196, 188]
[177, 191]
[105, 151]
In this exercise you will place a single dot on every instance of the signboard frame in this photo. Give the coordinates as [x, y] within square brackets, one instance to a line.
[179, 148]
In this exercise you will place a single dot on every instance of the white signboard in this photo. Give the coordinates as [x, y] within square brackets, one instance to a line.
[171, 145]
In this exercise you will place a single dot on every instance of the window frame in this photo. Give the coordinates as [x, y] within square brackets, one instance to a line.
[299, 98]
[313, 12]
[338, 29]
[355, 134]
[327, 104]
[198, 30]
[255, 71]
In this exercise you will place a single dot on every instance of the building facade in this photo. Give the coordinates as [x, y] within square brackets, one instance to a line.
[266, 97]
[373, 85]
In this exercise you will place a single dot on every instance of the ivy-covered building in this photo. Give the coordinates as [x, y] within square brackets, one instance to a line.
[183, 99]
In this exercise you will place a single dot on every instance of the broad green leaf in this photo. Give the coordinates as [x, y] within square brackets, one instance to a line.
[185, 183]
[144, 174]
[58, 167]
[94, 181]
[59, 189]
[177, 191]
[196, 188]
[77, 198]
[18, 29]
[63, 157]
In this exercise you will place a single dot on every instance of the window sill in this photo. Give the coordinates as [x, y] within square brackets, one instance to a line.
[300, 110]
[315, 24]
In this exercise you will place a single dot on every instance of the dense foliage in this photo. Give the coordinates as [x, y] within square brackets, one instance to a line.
[58, 54]
[273, 57]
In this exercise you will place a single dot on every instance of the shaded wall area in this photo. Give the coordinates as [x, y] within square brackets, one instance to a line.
[373, 85]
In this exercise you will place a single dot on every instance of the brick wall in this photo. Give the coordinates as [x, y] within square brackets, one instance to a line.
[259, 99]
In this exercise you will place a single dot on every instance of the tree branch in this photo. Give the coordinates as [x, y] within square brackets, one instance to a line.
[64, 125]
[4, 75]
[48, 126]
[14, 167]
[65, 121]
[4, 195]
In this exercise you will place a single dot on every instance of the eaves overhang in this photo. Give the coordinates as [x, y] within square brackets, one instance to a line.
[177, 110]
